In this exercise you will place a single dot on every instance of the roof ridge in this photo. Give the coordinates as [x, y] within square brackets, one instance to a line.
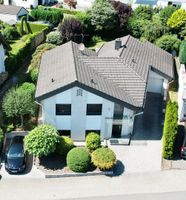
[73, 55]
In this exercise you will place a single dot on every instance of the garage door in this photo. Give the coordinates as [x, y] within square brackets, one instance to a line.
[155, 85]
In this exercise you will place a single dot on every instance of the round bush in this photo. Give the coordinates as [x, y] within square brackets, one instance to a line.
[54, 37]
[64, 145]
[104, 158]
[41, 141]
[93, 141]
[78, 159]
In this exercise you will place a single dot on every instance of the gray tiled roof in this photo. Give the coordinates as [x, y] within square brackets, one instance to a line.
[121, 74]
[12, 10]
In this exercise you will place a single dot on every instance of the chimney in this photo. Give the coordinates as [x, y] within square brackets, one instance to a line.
[117, 44]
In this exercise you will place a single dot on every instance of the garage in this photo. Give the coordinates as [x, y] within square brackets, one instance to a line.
[155, 83]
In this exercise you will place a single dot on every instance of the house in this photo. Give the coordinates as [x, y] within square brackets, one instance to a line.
[3, 46]
[80, 90]
[12, 13]
[182, 94]
[135, 3]
[28, 3]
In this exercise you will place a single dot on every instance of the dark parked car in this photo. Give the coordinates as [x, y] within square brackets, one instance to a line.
[183, 149]
[15, 159]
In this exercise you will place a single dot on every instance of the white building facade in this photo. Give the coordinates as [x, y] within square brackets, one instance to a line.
[27, 3]
[182, 94]
[76, 112]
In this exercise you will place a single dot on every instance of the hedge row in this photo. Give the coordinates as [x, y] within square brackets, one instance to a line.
[17, 56]
[51, 15]
[170, 129]
[182, 53]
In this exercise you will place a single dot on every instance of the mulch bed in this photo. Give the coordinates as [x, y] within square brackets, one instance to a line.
[55, 164]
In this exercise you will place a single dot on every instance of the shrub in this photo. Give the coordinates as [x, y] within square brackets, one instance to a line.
[93, 141]
[54, 37]
[123, 12]
[1, 135]
[64, 146]
[169, 43]
[10, 33]
[29, 87]
[34, 74]
[51, 15]
[143, 12]
[104, 158]
[170, 129]
[41, 141]
[71, 29]
[166, 13]
[78, 159]
[177, 19]
[36, 58]
[182, 53]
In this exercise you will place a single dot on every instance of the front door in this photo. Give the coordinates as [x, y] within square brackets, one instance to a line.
[116, 131]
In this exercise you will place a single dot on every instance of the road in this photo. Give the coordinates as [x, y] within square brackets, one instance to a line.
[95, 186]
[158, 196]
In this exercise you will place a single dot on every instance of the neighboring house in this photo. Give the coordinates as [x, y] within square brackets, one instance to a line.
[81, 91]
[182, 94]
[135, 3]
[3, 46]
[12, 13]
[28, 3]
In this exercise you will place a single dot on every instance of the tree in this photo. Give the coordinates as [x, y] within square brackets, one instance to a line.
[17, 103]
[123, 12]
[168, 43]
[71, 29]
[103, 15]
[71, 3]
[42, 140]
[177, 19]
[143, 12]
[166, 13]
[136, 26]
[182, 52]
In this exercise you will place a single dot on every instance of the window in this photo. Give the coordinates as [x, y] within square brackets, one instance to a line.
[63, 109]
[89, 131]
[79, 92]
[65, 133]
[94, 109]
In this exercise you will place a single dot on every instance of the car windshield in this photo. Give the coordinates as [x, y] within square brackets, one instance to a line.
[16, 150]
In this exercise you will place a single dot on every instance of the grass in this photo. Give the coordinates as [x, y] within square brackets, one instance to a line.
[96, 43]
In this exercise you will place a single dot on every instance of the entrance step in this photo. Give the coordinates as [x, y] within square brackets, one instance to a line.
[138, 142]
[119, 141]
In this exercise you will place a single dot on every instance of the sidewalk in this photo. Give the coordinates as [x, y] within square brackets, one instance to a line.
[67, 188]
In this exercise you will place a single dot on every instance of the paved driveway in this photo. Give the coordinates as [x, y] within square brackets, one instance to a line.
[144, 152]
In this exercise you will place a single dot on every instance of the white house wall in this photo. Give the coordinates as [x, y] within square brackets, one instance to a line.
[78, 122]
[182, 94]
[2, 57]
[25, 4]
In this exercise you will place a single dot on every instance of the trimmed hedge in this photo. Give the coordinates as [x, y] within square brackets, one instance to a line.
[93, 141]
[170, 129]
[78, 159]
[104, 158]
[64, 146]
[182, 53]
[51, 15]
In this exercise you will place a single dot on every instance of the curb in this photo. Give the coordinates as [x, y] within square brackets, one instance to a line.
[73, 174]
